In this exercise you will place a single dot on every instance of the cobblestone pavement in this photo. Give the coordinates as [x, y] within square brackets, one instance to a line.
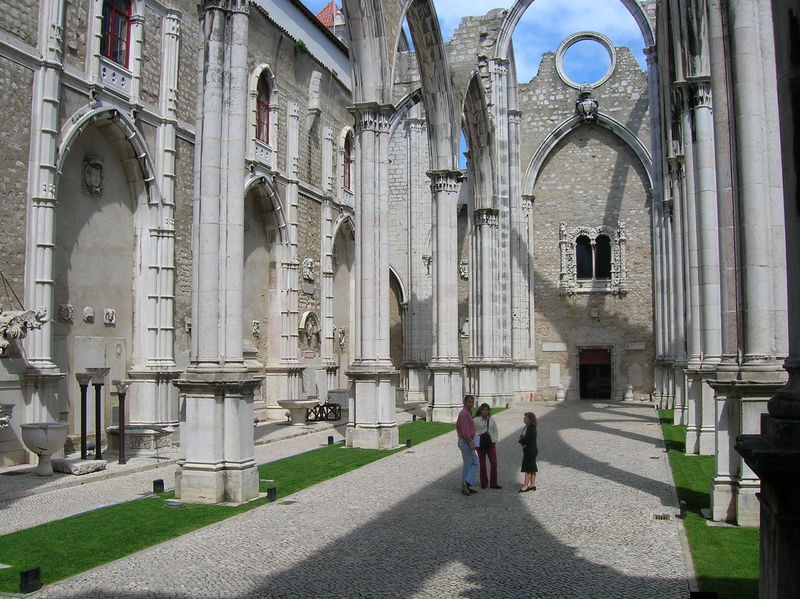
[400, 527]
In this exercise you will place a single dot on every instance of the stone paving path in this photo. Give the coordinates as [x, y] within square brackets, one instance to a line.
[400, 528]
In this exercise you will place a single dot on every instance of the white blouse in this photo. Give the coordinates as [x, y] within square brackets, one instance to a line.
[480, 427]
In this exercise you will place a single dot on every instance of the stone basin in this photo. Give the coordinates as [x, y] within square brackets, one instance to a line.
[44, 439]
[297, 409]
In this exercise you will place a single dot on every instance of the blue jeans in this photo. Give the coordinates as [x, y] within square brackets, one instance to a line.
[470, 458]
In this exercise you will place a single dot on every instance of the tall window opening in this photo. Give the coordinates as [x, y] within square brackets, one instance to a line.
[116, 31]
[347, 162]
[602, 257]
[262, 110]
[583, 257]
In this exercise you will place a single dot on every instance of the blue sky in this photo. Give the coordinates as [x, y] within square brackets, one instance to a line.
[545, 24]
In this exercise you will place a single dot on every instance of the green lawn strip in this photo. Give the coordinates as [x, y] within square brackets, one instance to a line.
[67, 547]
[725, 558]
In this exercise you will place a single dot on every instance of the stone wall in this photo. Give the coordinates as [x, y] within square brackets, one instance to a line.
[15, 98]
[20, 19]
[591, 178]
[76, 32]
[151, 57]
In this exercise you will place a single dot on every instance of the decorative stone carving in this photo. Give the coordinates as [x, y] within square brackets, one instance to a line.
[586, 106]
[110, 317]
[256, 328]
[88, 314]
[463, 270]
[341, 336]
[93, 174]
[5, 414]
[486, 216]
[568, 277]
[16, 324]
[427, 260]
[309, 331]
[307, 272]
[66, 312]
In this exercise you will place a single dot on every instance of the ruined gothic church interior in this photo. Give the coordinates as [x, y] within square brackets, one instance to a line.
[230, 210]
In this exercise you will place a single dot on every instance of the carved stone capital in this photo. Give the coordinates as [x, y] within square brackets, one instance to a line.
[445, 180]
[242, 6]
[700, 93]
[486, 216]
[371, 116]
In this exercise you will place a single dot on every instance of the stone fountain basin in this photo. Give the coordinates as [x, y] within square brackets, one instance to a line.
[297, 409]
[44, 439]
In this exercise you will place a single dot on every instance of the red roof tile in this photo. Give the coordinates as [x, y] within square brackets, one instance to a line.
[328, 14]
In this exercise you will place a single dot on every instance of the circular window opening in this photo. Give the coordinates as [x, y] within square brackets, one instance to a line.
[586, 62]
[585, 59]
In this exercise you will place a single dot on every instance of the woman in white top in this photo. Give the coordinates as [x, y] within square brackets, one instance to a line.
[486, 430]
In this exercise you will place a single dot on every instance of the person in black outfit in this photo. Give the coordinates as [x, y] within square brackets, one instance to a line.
[529, 451]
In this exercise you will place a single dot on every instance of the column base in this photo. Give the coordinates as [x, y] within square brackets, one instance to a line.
[216, 486]
[748, 509]
[723, 500]
[217, 437]
[448, 393]
[490, 383]
[372, 421]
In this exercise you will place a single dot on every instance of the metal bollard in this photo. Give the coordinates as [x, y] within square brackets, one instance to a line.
[272, 494]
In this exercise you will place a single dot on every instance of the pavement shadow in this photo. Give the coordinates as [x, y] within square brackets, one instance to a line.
[489, 545]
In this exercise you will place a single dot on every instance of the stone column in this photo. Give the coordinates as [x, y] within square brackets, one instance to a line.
[372, 422]
[751, 93]
[326, 266]
[708, 254]
[135, 44]
[775, 454]
[445, 365]
[693, 382]
[678, 262]
[290, 266]
[43, 375]
[487, 366]
[153, 364]
[417, 332]
[217, 436]
[523, 314]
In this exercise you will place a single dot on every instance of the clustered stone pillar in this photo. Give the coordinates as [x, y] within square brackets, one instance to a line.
[775, 454]
[217, 436]
[445, 365]
[43, 374]
[372, 422]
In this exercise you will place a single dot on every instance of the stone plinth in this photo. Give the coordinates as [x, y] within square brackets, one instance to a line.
[775, 457]
[140, 439]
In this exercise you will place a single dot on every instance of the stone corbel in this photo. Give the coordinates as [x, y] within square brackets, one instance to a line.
[16, 324]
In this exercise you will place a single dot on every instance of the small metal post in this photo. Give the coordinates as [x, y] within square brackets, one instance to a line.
[122, 390]
[409, 443]
[272, 494]
[30, 580]
[330, 439]
[83, 381]
[98, 424]
[158, 486]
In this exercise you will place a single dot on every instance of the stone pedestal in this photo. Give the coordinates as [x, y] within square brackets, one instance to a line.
[774, 456]
[372, 422]
[448, 392]
[217, 438]
[740, 405]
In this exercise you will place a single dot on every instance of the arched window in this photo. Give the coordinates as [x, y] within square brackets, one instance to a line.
[583, 257]
[262, 110]
[347, 162]
[602, 257]
[592, 259]
[116, 30]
